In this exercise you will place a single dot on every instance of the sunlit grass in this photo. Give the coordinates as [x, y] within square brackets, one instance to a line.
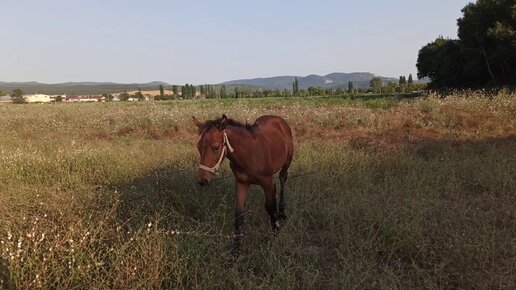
[413, 193]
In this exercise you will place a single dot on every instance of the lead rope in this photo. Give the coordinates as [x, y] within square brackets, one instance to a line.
[215, 168]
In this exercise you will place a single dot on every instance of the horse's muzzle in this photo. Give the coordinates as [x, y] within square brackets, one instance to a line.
[203, 177]
[203, 182]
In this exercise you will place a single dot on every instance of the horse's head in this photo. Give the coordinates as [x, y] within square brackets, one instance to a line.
[212, 148]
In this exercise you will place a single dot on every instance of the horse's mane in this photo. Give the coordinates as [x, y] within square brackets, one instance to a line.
[215, 123]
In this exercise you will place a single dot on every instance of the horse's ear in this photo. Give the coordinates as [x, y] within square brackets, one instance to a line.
[197, 123]
[223, 122]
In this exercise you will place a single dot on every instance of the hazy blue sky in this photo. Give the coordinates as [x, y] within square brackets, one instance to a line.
[214, 41]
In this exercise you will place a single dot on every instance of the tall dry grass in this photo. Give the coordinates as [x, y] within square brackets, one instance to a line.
[402, 194]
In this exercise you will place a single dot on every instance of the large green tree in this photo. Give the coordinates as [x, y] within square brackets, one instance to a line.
[192, 91]
[449, 65]
[350, 87]
[402, 80]
[295, 87]
[108, 97]
[186, 91]
[376, 84]
[489, 26]
[17, 96]
[484, 54]
[161, 91]
[223, 92]
[124, 96]
[139, 95]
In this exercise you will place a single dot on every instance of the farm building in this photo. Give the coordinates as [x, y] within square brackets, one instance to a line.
[37, 98]
[5, 99]
[84, 99]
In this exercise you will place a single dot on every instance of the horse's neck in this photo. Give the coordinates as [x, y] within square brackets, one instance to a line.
[244, 144]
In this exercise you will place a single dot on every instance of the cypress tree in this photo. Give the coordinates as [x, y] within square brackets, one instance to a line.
[213, 94]
[295, 87]
[223, 93]
[201, 88]
[185, 91]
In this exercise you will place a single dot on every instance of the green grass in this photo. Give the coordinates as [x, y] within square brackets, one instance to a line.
[400, 194]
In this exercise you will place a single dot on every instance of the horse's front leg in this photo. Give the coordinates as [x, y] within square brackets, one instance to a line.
[241, 194]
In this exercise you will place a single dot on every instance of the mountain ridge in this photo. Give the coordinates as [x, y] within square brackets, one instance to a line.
[332, 80]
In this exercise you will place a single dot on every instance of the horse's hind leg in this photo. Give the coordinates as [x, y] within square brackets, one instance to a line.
[284, 171]
[270, 201]
[283, 175]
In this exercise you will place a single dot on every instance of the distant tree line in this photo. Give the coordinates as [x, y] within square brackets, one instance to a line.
[207, 91]
[376, 85]
[403, 85]
[484, 54]
[125, 96]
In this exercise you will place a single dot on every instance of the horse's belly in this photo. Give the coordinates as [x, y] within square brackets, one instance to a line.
[278, 155]
[278, 162]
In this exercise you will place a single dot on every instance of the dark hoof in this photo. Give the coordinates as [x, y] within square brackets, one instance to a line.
[229, 263]
[282, 216]
[276, 225]
[235, 252]
[235, 249]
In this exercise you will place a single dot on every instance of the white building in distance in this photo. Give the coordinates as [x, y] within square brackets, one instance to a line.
[37, 98]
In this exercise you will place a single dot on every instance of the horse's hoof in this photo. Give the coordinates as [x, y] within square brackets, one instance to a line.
[235, 252]
[230, 262]
[282, 216]
[276, 226]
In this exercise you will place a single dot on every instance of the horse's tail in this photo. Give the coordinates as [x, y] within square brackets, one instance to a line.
[294, 139]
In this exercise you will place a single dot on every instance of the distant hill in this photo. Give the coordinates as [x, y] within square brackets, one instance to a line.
[333, 80]
[92, 88]
[76, 88]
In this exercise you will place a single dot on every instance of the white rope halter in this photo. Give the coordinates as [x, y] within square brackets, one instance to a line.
[215, 168]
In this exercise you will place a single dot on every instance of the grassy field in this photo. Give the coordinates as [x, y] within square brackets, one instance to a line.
[406, 194]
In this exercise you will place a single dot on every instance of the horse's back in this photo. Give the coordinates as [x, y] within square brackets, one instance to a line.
[279, 134]
[271, 121]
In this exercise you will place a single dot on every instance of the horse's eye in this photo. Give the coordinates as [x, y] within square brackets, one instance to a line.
[215, 148]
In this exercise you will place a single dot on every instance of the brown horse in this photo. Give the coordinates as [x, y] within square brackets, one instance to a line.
[256, 152]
